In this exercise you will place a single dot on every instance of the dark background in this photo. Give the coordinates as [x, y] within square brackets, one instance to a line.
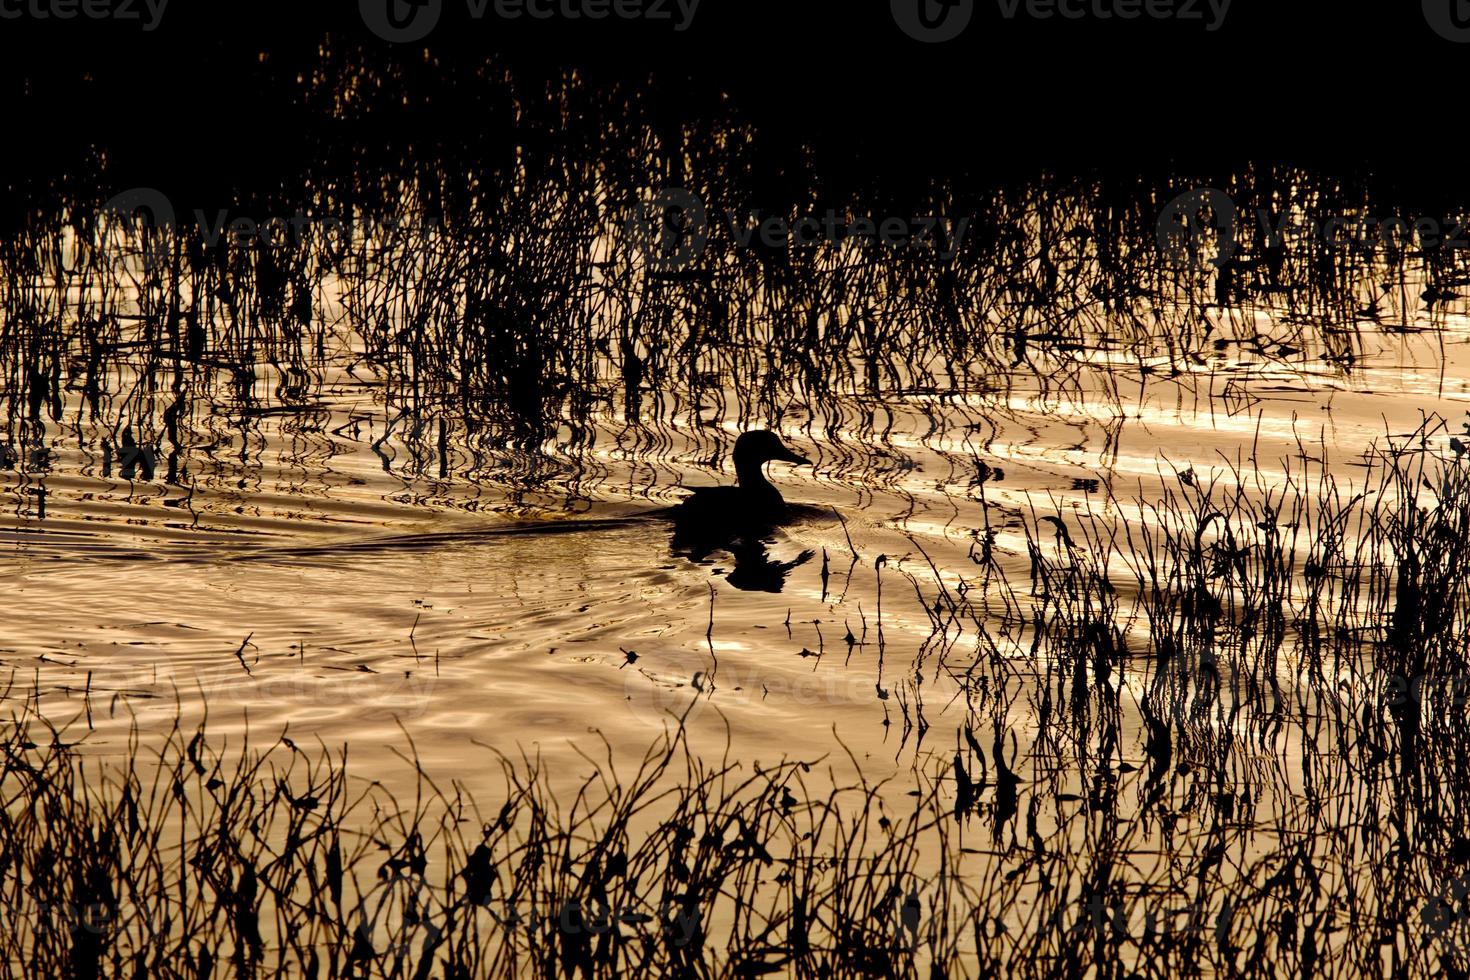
[1315, 83]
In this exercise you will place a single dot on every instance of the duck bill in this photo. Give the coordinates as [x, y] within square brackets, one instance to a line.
[787, 456]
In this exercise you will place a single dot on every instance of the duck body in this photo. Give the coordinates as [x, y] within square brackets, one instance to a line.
[735, 507]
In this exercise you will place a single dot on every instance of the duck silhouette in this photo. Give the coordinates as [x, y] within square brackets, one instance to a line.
[753, 502]
[740, 519]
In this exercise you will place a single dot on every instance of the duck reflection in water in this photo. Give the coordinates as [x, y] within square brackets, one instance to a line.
[742, 519]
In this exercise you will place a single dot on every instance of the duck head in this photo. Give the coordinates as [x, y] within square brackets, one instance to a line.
[758, 447]
[753, 450]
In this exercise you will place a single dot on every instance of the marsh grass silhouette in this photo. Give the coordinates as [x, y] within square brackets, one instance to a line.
[510, 320]
[1246, 758]
[285, 864]
[1243, 749]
